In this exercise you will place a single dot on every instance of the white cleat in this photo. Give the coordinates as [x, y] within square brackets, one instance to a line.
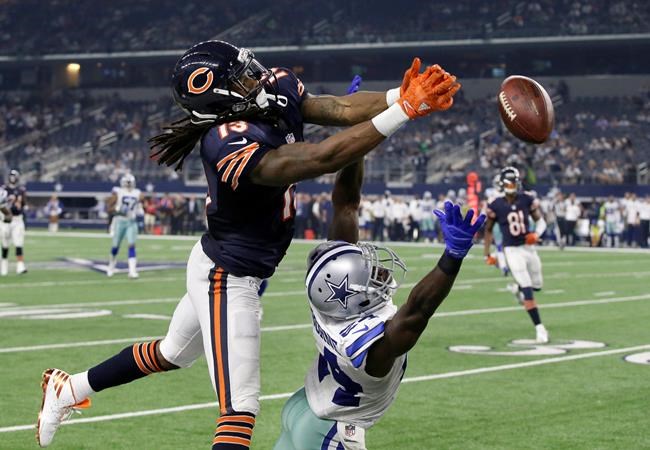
[4, 267]
[20, 268]
[514, 289]
[541, 334]
[110, 272]
[58, 405]
[134, 275]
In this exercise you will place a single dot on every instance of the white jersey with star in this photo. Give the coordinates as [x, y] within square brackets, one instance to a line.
[612, 211]
[337, 386]
[128, 201]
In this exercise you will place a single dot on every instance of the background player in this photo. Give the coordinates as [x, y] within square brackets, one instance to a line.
[5, 213]
[611, 213]
[248, 121]
[361, 337]
[125, 202]
[491, 194]
[512, 212]
[53, 210]
[15, 232]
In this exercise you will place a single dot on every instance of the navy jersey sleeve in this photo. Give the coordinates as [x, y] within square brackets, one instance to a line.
[289, 85]
[233, 150]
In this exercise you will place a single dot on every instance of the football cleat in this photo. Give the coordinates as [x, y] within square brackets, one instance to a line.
[58, 404]
[541, 334]
[134, 275]
[20, 268]
[4, 268]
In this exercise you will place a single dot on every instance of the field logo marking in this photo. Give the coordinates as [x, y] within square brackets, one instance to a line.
[528, 347]
[638, 358]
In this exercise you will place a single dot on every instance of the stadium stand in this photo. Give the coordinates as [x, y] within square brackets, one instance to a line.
[120, 25]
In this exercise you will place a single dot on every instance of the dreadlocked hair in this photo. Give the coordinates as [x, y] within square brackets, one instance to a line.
[177, 141]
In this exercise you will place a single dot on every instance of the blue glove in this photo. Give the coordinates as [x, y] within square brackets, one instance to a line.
[458, 232]
[354, 86]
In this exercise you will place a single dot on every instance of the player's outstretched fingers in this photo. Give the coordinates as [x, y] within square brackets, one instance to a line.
[445, 84]
[467, 221]
[479, 223]
[410, 74]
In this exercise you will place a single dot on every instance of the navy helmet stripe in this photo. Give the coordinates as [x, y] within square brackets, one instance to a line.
[327, 257]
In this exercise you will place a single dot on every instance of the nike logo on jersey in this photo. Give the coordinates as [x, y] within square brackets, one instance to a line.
[240, 142]
[361, 330]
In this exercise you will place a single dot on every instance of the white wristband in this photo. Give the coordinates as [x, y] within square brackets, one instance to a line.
[390, 120]
[392, 95]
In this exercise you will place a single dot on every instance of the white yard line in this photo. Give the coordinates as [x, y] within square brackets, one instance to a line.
[438, 376]
[464, 312]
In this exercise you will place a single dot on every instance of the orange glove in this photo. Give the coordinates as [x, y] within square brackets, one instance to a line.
[411, 73]
[432, 90]
[532, 239]
[490, 260]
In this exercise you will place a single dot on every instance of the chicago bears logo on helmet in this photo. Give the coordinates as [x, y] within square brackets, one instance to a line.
[192, 88]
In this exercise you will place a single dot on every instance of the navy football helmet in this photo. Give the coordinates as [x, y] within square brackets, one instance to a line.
[209, 83]
[509, 181]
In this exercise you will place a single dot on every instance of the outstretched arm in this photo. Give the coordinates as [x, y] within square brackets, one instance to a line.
[430, 91]
[355, 107]
[404, 329]
[346, 197]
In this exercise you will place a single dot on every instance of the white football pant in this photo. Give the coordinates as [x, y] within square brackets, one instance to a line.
[219, 316]
[525, 266]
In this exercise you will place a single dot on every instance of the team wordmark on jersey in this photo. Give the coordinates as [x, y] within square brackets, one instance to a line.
[528, 347]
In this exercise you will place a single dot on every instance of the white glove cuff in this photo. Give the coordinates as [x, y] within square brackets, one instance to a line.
[392, 95]
[390, 120]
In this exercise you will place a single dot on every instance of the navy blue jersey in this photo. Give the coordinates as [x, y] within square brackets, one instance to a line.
[16, 197]
[250, 226]
[513, 218]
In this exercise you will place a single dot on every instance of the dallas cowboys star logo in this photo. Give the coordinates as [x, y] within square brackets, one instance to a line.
[340, 292]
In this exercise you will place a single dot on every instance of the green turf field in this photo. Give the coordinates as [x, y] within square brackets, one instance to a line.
[584, 398]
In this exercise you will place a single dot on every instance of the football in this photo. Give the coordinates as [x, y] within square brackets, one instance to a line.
[526, 109]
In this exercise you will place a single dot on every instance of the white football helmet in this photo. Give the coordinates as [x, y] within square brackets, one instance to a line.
[127, 181]
[345, 281]
[14, 177]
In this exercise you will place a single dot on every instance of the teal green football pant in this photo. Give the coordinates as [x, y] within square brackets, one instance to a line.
[124, 228]
[303, 430]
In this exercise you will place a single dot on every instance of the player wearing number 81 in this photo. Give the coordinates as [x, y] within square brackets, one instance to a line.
[361, 337]
[512, 212]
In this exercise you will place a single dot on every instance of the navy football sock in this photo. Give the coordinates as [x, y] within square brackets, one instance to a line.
[534, 315]
[130, 364]
[234, 431]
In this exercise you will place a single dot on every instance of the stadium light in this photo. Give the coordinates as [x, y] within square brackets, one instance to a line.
[73, 68]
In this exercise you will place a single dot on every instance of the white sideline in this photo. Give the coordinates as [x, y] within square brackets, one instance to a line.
[464, 312]
[438, 376]
[73, 234]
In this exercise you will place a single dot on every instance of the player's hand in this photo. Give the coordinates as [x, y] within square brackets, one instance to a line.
[490, 260]
[458, 232]
[411, 73]
[355, 84]
[532, 239]
[432, 90]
